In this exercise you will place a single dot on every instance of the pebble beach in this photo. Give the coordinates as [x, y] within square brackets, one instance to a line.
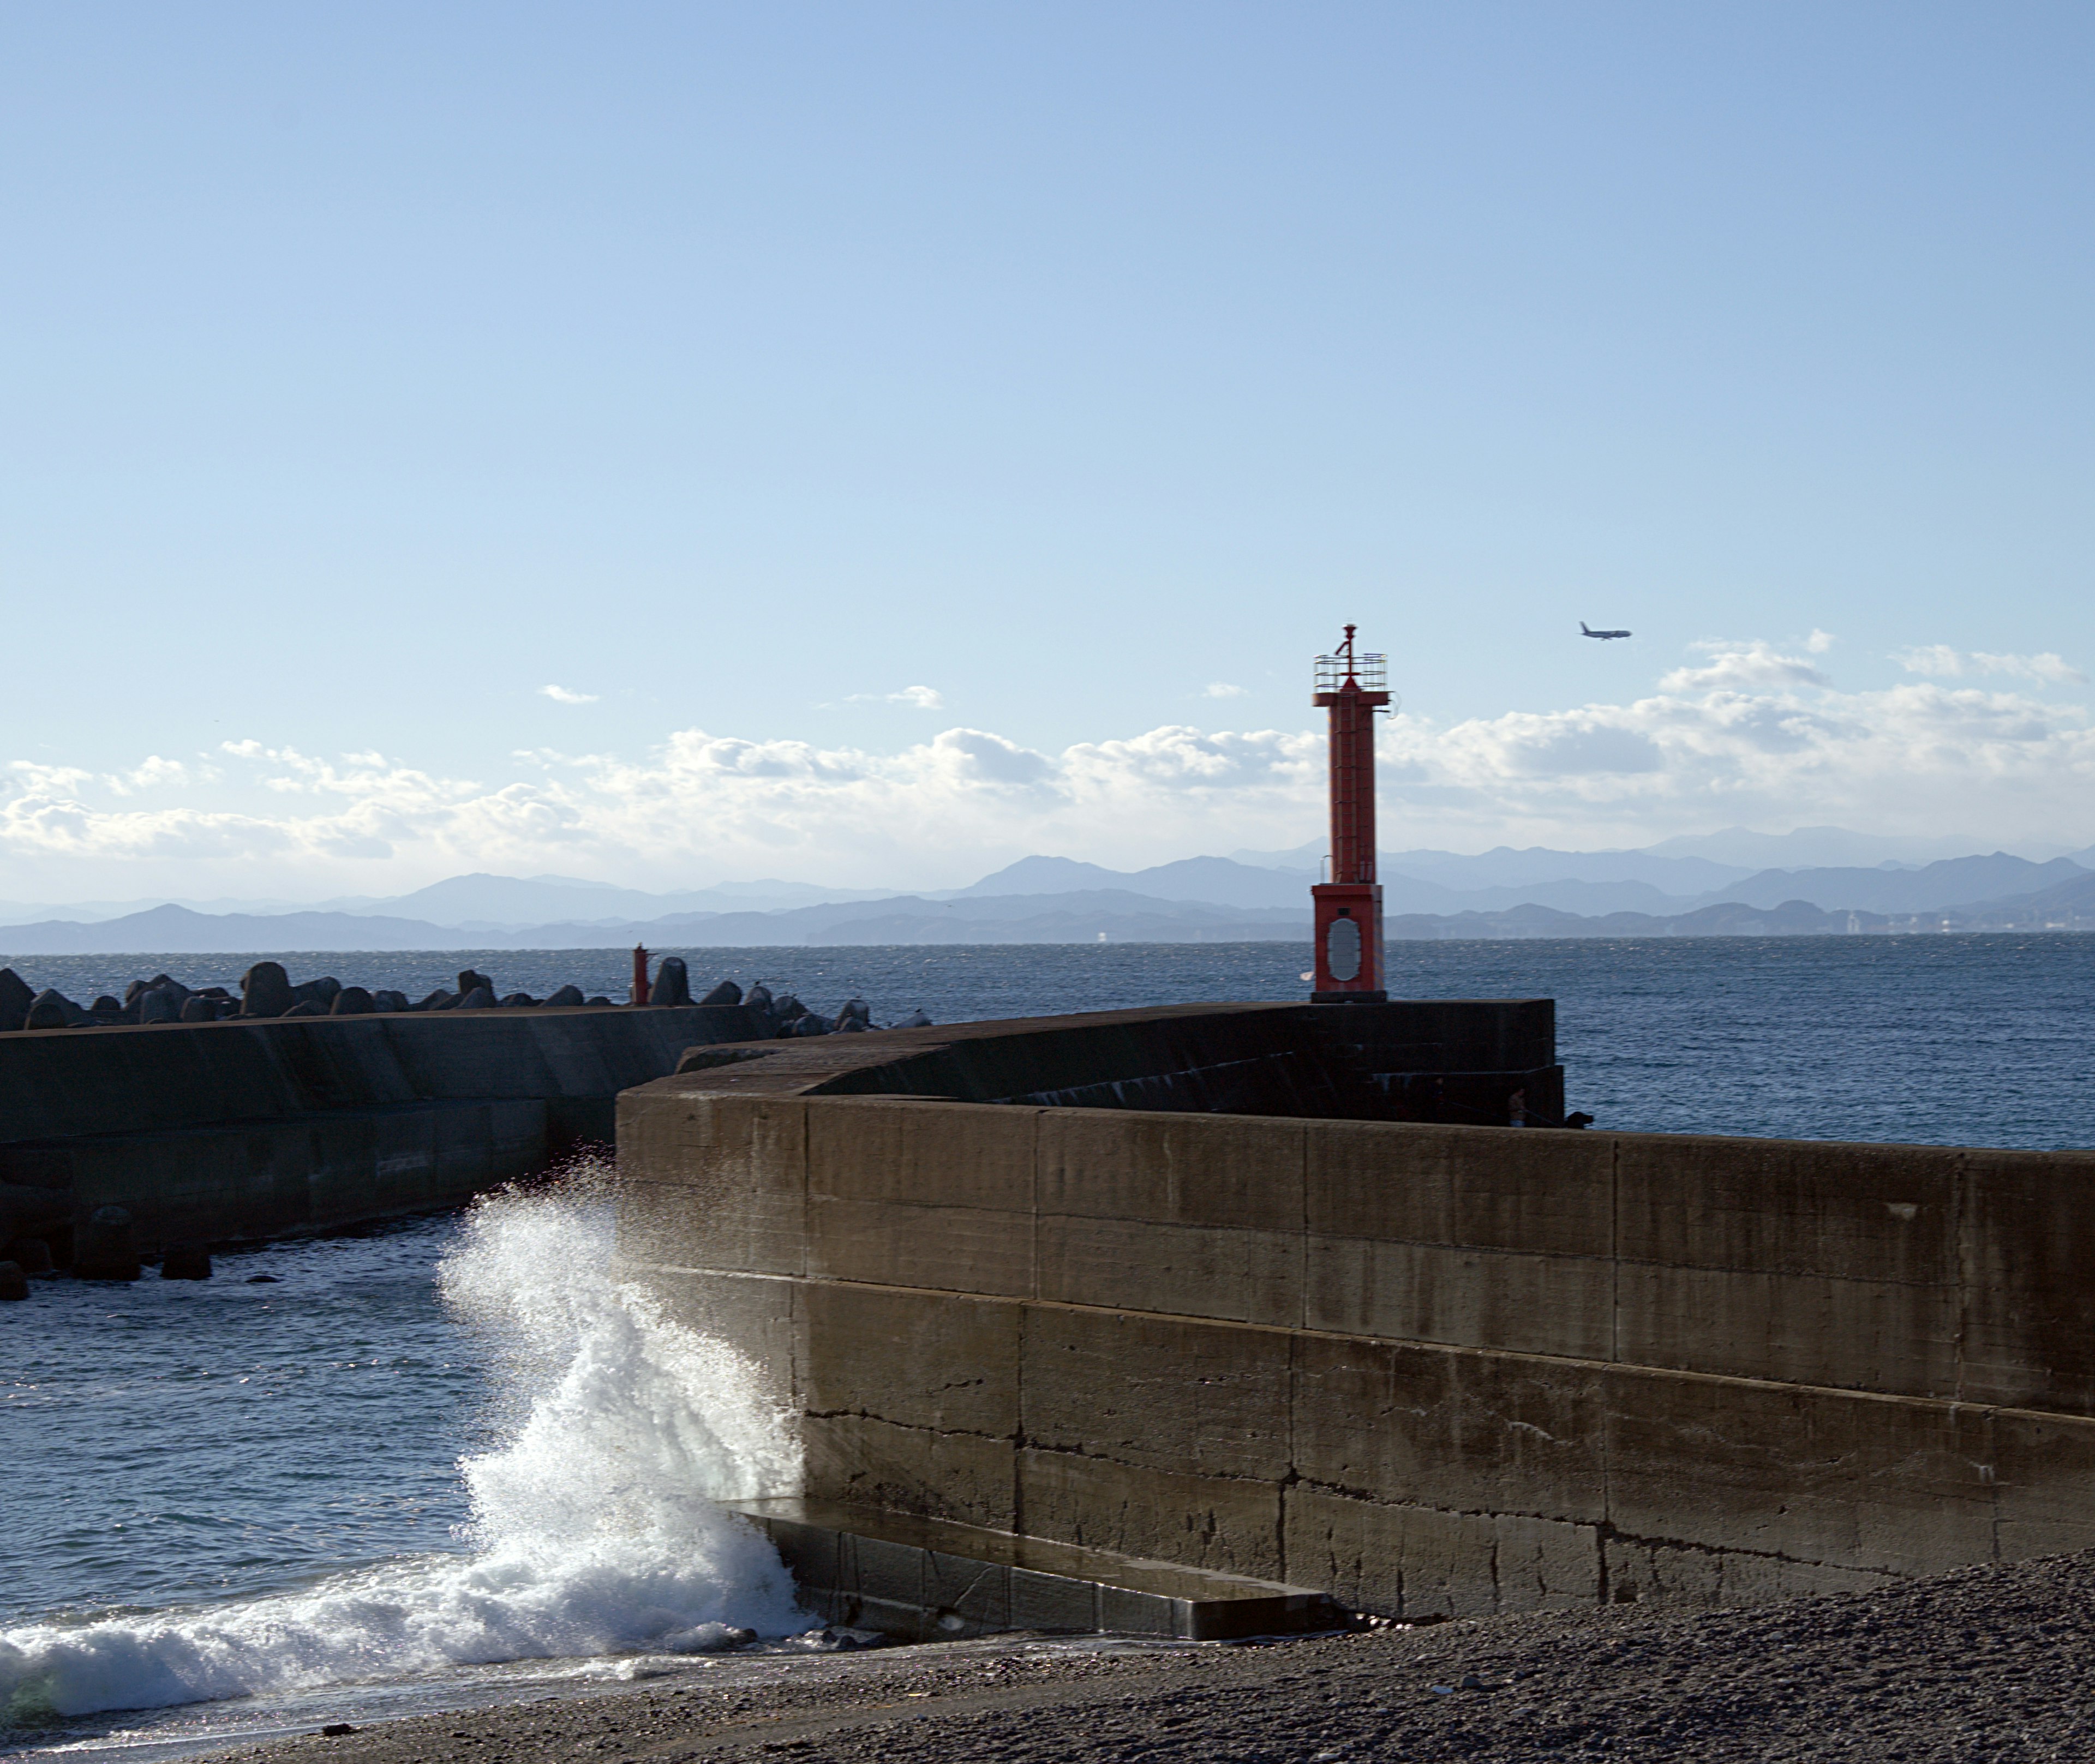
[1989, 1663]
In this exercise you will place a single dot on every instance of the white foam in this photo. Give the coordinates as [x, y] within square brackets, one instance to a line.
[595, 1528]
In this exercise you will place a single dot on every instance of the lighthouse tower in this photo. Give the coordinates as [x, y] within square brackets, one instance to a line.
[1349, 961]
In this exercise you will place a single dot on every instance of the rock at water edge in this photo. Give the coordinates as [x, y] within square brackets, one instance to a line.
[32, 1255]
[186, 1261]
[104, 1249]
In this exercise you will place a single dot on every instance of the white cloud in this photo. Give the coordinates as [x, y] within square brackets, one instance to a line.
[1940, 661]
[1819, 642]
[560, 695]
[154, 772]
[1757, 736]
[1748, 734]
[35, 779]
[2049, 669]
[1742, 667]
[922, 697]
[1222, 688]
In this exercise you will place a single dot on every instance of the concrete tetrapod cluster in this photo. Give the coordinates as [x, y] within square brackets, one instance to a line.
[266, 991]
[786, 1017]
[105, 1248]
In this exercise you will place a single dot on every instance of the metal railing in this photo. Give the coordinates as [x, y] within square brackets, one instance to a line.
[1369, 669]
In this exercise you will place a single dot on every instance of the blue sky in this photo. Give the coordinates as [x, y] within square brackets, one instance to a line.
[737, 369]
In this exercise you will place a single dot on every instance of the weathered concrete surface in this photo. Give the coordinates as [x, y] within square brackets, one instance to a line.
[1428, 1369]
[1458, 1060]
[259, 1128]
[931, 1580]
[57, 1084]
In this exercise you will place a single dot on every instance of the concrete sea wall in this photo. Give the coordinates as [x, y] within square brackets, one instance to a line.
[245, 1128]
[1435, 1060]
[1429, 1369]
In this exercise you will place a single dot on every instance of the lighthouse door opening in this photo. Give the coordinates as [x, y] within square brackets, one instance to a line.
[1341, 949]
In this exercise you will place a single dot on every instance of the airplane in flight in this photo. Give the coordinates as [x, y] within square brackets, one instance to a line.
[1603, 636]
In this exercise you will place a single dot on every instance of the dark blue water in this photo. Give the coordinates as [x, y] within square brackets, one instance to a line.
[173, 1449]
[193, 1440]
[1979, 1040]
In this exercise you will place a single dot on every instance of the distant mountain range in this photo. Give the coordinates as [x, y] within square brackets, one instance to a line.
[1053, 899]
[481, 901]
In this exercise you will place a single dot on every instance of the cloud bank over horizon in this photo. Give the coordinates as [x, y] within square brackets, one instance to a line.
[1746, 733]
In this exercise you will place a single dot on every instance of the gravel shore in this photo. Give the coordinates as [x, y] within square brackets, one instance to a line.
[1989, 1663]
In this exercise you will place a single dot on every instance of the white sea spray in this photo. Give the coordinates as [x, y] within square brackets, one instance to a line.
[594, 1529]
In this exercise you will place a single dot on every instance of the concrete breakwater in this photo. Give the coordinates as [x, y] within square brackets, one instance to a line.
[250, 1128]
[177, 1117]
[1426, 1368]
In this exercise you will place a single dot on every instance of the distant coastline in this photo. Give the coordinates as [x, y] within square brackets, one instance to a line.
[1429, 896]
[1056, 919]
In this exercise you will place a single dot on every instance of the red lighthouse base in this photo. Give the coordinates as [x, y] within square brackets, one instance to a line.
[1349, 967]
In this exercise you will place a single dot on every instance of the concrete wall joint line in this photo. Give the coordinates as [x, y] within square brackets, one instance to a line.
[1020, 1346]
[1603, 1465]
[1490, 1356]
[1615, 1534]
[1368, 1497]
[629, 1265]
[1051, 1099]
[1857, 1282]
[907, 1426]
[1960, 1224]
[1033, 1203]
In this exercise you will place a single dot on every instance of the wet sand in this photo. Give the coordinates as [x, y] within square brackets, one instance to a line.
[1991, 1663]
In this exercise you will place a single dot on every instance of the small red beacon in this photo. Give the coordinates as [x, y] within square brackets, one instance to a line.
[1348, 906]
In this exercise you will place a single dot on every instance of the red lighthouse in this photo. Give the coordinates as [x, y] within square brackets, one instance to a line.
[1352, 687]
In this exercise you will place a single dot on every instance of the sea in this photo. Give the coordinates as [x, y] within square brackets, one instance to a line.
[452, 1461]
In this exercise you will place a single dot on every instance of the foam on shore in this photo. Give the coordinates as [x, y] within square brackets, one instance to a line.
[595, 1529]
